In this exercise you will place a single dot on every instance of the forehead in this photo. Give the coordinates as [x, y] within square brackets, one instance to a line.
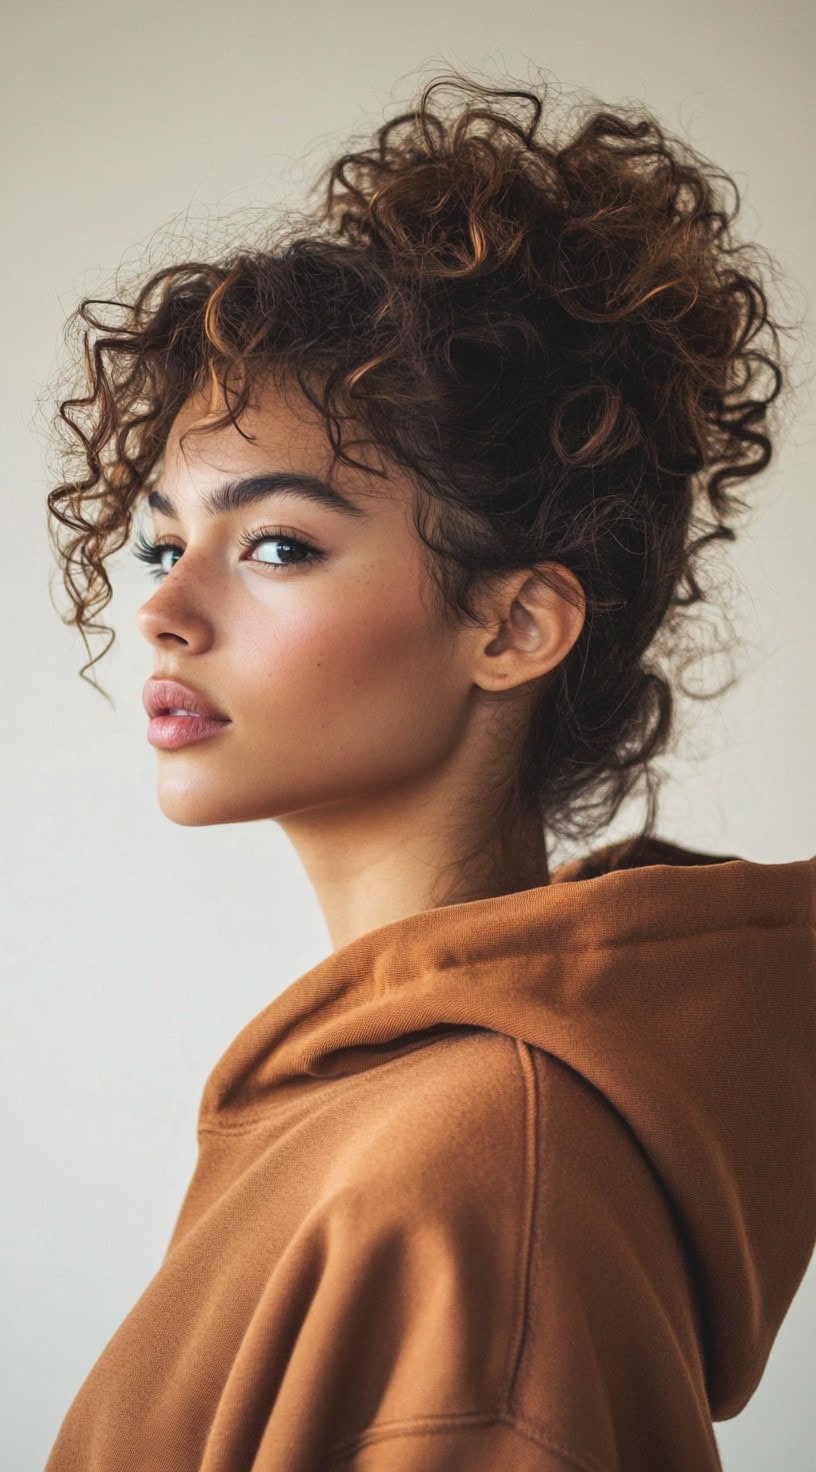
[276, 409]
[279, 430]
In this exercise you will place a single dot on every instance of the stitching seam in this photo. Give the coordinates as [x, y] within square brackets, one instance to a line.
[431, 1426]
[528, 1080]
[210, 1125]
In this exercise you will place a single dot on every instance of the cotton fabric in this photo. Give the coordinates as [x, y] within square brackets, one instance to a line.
[523, 1183]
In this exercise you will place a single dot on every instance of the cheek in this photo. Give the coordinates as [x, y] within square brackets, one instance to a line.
[363, 665]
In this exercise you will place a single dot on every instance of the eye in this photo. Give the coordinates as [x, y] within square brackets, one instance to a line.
[153, 552]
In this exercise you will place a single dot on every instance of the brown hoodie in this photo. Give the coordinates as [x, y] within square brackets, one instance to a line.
[521, 1184]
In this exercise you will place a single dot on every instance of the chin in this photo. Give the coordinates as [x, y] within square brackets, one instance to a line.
[192, 816]
[193, 807]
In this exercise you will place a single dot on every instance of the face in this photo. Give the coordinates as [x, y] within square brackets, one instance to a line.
[322, 642]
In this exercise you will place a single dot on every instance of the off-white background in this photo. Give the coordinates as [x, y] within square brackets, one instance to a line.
[133, 949]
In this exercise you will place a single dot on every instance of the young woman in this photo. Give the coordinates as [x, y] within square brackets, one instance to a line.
[521, 1174]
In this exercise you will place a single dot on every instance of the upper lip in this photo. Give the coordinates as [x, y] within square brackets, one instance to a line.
[162, 695]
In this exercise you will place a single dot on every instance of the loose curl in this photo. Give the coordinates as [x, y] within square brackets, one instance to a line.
[558, 339]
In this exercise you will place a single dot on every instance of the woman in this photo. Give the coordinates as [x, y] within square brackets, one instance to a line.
[520, 1175]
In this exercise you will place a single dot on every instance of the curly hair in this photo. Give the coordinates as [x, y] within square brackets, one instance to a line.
[558, 338]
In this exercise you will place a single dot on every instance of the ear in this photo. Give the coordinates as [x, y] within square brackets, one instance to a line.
[531, 627]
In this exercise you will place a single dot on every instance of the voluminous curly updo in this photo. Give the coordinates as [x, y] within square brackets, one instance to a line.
[557, 337]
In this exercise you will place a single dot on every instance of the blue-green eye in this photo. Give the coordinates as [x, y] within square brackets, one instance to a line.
[148, 551]
[153, 552]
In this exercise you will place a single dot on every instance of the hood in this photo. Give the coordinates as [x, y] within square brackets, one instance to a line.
[681, 985]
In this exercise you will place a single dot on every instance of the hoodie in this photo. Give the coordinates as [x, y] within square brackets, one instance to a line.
[525, 1182]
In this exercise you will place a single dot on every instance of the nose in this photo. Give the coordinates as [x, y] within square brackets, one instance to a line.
[168, 616]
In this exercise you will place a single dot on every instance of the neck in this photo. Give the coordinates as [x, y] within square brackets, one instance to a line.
[373, 862]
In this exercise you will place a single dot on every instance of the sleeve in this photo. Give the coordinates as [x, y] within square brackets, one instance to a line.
[613, 1362]
[473, 1309]
[406, 1297]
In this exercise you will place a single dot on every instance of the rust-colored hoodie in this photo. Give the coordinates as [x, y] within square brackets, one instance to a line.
[521, 1184]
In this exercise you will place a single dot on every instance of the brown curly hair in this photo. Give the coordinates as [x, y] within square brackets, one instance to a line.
[558, 338]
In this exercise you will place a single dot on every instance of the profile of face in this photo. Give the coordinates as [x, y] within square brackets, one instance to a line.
[317, 642]
[313, 628]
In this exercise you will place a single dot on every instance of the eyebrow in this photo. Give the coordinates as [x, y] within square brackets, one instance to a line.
[234, 495]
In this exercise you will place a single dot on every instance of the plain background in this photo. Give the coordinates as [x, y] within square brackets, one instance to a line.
[135, 949]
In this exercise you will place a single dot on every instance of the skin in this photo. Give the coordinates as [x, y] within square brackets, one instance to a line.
[377, 734]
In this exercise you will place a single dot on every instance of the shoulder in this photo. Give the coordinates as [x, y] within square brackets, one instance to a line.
[477, 1110]
[504, 1212]
[448, 1118]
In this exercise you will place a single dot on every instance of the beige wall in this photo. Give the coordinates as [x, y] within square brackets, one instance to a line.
[135, 949]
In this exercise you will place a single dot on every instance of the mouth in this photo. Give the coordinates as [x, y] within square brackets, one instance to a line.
[196, 715]
[168, 697]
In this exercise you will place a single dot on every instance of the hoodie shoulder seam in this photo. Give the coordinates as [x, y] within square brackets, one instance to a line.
[529, 1083]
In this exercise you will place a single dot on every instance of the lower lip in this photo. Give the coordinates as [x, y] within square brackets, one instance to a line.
[171, 731]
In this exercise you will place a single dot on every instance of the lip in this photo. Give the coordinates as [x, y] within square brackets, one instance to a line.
[169, 732]
[163, 695]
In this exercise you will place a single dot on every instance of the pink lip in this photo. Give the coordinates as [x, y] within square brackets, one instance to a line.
[168, 732]
[163, 694]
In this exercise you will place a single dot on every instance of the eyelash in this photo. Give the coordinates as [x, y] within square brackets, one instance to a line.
[151, 552]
